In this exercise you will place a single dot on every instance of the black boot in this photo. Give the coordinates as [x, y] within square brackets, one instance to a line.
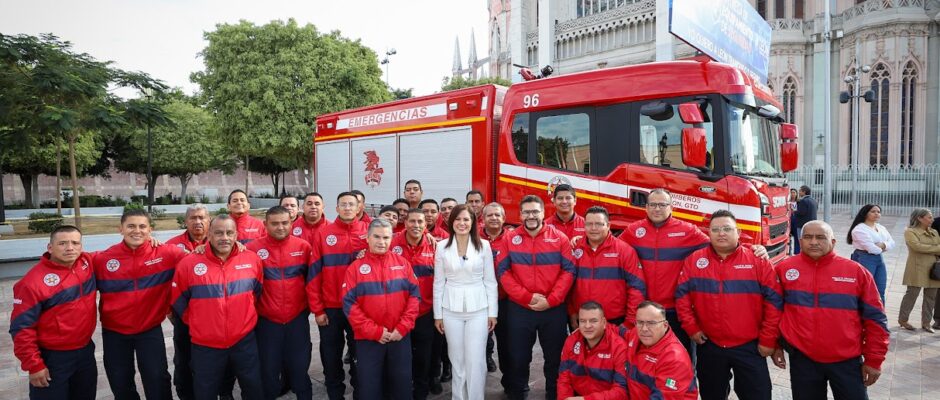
[446, 375]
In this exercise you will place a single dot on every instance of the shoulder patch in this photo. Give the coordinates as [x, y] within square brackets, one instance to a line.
[51, 279]
[263, 254]
[331, 240]
[640, 232]
[365, 269]
[701, 263]
[113, 265]
[297, 231]
[517, 240]
[792, 274]
[200, 269]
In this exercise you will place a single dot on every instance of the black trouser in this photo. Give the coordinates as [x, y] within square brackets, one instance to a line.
[209, 365]
[715, 366]
[182, 367]
[439, 357]
[808, 378]
[333, 339]
[502, 343]
[384, 369]
[150, 351]
[422, 341]
[524, 325]
[73, 375]
[680, 333]
[285, 346]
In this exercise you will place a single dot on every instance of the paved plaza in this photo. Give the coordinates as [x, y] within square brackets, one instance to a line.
[911, 371]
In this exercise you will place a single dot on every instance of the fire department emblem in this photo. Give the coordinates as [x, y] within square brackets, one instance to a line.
[397, 250]
[297, 231]
[331, 240]
[373, 170]
[181, 246]
[792, 274]
[577, 348]
[640, 232]
[51, 279]
[578, 253]
[113, 265]
[263, 254]
[365, 269]
[701, 263]
[517, 240]
[554, 182]
[200, 269]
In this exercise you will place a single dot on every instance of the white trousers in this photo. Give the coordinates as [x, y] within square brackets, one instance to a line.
[466, 334]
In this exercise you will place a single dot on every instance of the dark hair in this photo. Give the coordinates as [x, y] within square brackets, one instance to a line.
[859, 218]
[722, 214]
[474, 230]
[221, 217]
[312, 194]
[415, 181]
[446, 199]
[400, 200]
[474, 191]
[429, 201]
[598, 210]
[386, 209]
[134, 213]
[344, 194]
[591, 305]
[806, 189]
[650, 303]
[276, 210]
[63, 229]
[358, 194]
[286, 196]
[532, 199]
[564, 187]
[233, 193]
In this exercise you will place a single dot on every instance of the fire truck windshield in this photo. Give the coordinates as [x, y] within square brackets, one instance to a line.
[754, 146]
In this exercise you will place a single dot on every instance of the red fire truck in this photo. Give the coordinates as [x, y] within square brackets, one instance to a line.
[704, 130]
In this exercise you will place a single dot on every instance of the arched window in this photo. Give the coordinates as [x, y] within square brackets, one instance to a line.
[908, 93]
[880, 82]
[798, 9]
[851, 147]
[789, 100]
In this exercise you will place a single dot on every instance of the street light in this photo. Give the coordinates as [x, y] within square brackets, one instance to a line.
[385, 61]
[844, 97]
[148, 93]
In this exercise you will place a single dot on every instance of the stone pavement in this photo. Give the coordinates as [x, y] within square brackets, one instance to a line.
[911, 371]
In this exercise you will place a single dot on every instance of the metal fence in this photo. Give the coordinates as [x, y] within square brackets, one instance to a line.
[896, 189]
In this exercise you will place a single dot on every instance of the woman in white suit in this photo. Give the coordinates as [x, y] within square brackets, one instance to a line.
[465, 301]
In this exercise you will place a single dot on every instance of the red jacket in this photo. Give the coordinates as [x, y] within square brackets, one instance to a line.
[285, 264]
[831, 310]
[334, 248]
[611, 276]
[661, 251]
[218, 299]
[541, 264]
[571, 228]
[135, 285]
[380, 291]
[663, 371]
[54, 309]
[366, 219]
[308, 232]
[498, 246]
[733, 300]
[183, 241]
[249, 228]
[439, 233]
[421, 258]
[595, 374]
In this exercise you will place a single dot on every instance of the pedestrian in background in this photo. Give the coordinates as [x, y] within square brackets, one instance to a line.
[923, 245]
[871, 240]
[794, 237]
[805, 212]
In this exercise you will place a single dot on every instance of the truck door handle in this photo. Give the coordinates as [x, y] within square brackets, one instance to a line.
[638, 198]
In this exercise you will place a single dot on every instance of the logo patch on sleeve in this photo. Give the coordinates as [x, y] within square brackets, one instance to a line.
[671, 384]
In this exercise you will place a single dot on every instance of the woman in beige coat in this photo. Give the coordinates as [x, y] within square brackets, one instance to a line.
[923, 245]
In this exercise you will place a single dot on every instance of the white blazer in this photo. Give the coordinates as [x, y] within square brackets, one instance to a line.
[464, 285]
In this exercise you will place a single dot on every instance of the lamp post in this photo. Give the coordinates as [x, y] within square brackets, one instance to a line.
[148, 93]
[855, 80]
[385, 61]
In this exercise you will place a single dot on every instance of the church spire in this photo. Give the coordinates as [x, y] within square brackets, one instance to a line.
[457, 63]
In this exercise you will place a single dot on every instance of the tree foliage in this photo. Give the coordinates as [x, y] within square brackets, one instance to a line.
[459, 82]
[400, 94]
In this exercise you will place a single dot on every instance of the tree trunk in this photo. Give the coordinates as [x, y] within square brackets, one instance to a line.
[58, 178]
[184, 181]
[150, 191]
[274, 179]
[29, 183]
[76, 209]
[3, 210]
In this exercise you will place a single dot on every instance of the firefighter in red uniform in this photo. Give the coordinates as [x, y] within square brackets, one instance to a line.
[197, 225]
[216, 294]
[412, 193]
[390, 214]
[312, 219]
[447, 205]
[608, 272]
[249, 228]
[536, 270]
[833, 323]
[494, 229]
[593, 359]
[53, 318]
[729, 302]
[290, 204]
[416, 246]
[283, 328]
[431, 213]
[401, 205]
[361, 215]
[334, 248]
[658, 367]
[475, 202]
[380, 298]
[134, 280]
[565, 219]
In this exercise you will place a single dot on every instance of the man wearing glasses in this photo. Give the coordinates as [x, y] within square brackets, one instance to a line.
[657, 364]
[729, 302]
[333, 249]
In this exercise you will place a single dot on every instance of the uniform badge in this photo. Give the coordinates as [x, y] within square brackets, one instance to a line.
[365, 269]
[263, 254]
[200, 269]
[792, 274]
[517, 240]
[113, 265]
[331, 240]
[640, 232]
[701, 263]
[578, 253]
[51, 279]
[397, 250]
[297, 231]
[181, 246]
[577, 348]
[671, 384]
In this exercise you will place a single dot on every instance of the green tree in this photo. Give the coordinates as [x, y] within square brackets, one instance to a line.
[459, 82]
[266, 85]
[400, 94]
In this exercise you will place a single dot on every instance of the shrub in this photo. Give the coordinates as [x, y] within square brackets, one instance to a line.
[134, 206]
[40, 222]
[181, 221]
[221, 211]
[157, 213]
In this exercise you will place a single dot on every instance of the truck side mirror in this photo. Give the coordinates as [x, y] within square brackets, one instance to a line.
[694, 147]
[691, 113]
[789, 147]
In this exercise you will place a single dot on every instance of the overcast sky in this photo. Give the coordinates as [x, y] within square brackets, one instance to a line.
[163, 37]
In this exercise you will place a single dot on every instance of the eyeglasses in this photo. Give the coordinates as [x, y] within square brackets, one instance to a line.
[723, 229]
[648, 324]
[657, 205]
[347, 205]
[531, 212]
